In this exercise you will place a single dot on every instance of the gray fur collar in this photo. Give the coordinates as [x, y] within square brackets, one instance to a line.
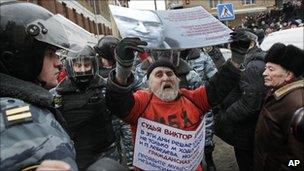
[24, 90]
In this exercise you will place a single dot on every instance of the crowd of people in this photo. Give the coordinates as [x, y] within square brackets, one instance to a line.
[68, 106]
[288, 16]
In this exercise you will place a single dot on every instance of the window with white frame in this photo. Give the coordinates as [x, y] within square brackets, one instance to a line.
[248, 1]
[213, 3]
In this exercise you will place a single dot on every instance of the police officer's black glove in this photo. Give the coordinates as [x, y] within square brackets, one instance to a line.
[124, 52]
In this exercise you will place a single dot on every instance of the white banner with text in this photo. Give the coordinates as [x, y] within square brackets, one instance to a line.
[171, 29]
[161, 147]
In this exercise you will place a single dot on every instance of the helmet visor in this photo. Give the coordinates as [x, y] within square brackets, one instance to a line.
[76, 34]
[82, 66]
[51, 31]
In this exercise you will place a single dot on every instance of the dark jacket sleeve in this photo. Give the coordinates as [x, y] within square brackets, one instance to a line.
[222, 83]
[248, 105]
[119, 98]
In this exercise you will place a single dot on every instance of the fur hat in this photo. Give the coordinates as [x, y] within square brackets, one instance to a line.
[289, 57]
[160, 63]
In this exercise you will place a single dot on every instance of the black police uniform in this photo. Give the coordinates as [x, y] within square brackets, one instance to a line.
[89, 121]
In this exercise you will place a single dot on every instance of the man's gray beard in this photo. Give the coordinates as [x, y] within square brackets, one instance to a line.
[166, 96]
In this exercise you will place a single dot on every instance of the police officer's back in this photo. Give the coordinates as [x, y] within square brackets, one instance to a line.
[30, 127]
[80, 98]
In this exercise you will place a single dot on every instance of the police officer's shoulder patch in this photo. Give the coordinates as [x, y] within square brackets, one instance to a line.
[57, 98]
[15, 111]
[57, 101]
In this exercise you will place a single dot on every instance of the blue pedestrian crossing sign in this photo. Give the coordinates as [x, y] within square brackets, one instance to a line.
[225, 12]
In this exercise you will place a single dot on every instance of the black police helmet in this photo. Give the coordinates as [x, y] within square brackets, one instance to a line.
[83, 57]
[26, 31]
[240, 40]
[184, 53]
[105, 47]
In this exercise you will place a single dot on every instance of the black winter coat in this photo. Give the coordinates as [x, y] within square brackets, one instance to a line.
[236, 117]
[88, 118]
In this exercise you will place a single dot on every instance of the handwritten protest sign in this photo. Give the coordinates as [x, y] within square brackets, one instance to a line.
[171, 29]
[161, 147]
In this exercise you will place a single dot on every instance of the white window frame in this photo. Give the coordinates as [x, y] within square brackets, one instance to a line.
[248, 3]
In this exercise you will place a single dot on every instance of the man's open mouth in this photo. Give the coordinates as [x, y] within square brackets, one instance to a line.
[167, 86]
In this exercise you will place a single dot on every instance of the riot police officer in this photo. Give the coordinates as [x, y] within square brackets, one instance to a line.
[105, 50]
[81, 100]
[31, 129]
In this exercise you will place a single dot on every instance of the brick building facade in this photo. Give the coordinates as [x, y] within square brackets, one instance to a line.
[92, 15]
